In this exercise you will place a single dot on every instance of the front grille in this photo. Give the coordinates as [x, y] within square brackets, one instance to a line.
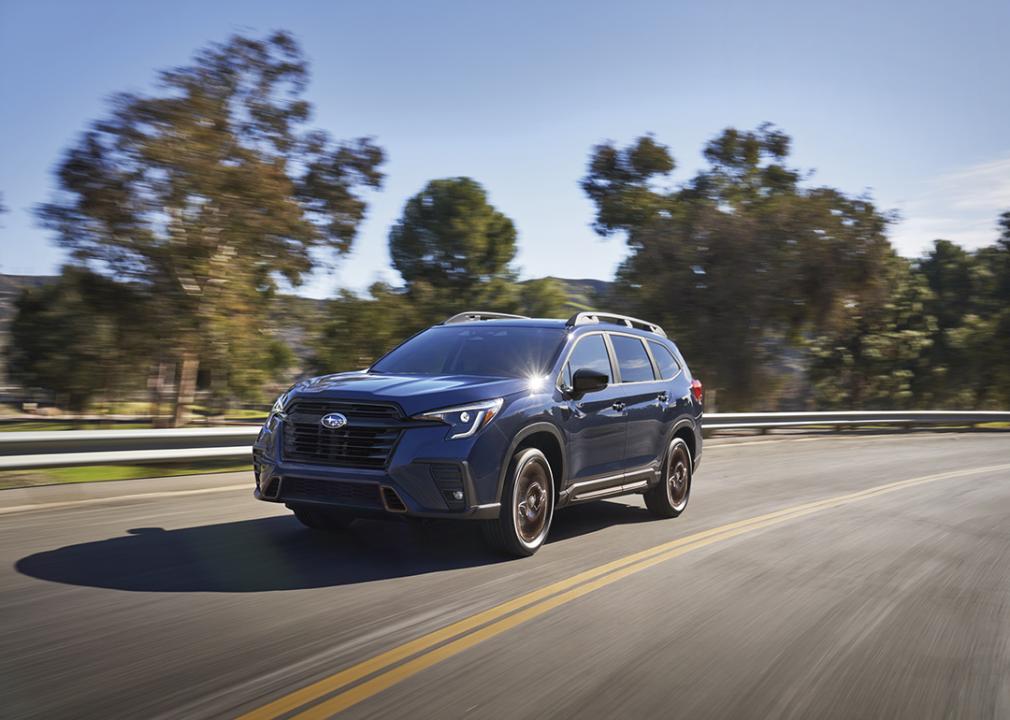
[350, 409]
[365, 442]
[335, 491]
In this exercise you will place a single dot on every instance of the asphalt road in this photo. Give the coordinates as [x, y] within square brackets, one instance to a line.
[807, 579]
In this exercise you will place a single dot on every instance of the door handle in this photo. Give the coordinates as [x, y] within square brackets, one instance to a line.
[618, 406]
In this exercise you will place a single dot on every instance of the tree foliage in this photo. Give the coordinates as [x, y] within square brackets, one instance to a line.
[452, 238]
[454, 251]
[80, 336]
[738, 260]
[969, 362]
[209, 192]
[358, 330]
[875, 355]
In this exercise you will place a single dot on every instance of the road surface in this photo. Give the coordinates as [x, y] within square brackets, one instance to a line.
[827, 577]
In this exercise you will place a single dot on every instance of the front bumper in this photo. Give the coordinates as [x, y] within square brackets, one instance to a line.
[426, 476]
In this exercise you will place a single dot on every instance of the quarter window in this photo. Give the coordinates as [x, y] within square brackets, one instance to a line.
[591, 353]
[668, 365]
[632, 359]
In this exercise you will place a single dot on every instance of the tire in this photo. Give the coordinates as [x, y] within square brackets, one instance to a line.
[668, 498]
[527, 506]
[328, 520]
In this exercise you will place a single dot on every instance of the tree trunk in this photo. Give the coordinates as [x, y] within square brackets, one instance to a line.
[156, 384]
[185, 391]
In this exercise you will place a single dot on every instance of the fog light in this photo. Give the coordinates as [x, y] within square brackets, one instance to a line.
[457, 494]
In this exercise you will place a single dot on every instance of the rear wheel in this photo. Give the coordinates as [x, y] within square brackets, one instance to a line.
[527, 506]
[322, 519]
[669, 497]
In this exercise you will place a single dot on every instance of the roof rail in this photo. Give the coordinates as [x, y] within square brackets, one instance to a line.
[586, 318]
[481, 315]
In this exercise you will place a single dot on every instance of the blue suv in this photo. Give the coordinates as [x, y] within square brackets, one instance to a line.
[489, 417]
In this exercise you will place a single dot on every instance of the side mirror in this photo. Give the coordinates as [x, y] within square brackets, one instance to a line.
[586, 381]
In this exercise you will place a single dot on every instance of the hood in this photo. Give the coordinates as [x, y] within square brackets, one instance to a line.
[413, 393]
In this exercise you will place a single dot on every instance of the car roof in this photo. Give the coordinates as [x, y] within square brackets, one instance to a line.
[511, 322]
[562, 324]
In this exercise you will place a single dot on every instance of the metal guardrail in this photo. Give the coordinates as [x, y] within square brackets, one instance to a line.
[853, 418]
[63, 448]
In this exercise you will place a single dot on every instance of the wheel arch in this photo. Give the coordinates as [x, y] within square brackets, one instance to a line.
[547, 438]
[684, 429]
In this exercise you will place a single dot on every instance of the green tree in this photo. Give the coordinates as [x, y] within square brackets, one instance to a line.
[81, 336]
[741, 261]
[953, 277]
[969, 365]
[450, 237]
[543, 297]
[358, 330]
[873, 357]
[454, 251]
[208, 193]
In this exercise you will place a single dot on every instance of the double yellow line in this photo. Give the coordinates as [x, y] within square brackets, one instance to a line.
[338, 692]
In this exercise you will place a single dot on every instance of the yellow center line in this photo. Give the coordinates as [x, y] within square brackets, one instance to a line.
[501, 618]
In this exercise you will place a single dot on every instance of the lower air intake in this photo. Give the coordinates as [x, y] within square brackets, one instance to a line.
[392, 501]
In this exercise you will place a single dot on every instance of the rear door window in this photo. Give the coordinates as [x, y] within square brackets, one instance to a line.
[632, 359]
[668, 365]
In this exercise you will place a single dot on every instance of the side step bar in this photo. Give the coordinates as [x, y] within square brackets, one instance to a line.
[624, 489]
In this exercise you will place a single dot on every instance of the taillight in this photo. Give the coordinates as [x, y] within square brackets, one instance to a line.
[697, 390]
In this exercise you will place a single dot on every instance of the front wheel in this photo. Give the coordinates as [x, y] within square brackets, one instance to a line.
[527, 506]
[669, 497]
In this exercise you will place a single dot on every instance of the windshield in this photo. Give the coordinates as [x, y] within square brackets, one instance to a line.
[493, 351]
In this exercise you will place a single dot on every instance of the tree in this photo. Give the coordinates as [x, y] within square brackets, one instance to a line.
[454, 251]
[873, 357]
[209, 193]
[358, 330]
[80, 336]
[452, 238]
[543, 297]
[741, 261]
[969, 363]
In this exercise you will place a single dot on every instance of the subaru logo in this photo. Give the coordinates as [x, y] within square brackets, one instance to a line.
[333, 421]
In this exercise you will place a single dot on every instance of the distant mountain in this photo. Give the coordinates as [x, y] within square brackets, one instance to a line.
[584, 293]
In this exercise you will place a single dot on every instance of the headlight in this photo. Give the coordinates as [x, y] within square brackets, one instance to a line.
[279, 404]
[465, 420]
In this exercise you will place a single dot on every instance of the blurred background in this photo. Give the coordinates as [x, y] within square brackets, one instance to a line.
[204, 203]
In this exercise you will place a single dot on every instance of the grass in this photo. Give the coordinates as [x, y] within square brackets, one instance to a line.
[101, 473]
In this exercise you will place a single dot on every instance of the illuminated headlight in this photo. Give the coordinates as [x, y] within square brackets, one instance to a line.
[465, 420]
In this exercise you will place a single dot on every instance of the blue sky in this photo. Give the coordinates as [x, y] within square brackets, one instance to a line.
[909, 100]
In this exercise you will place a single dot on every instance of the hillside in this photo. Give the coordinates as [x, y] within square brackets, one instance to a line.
[584, 293]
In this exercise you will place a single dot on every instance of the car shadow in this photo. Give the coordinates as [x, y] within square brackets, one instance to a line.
[277, 553]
